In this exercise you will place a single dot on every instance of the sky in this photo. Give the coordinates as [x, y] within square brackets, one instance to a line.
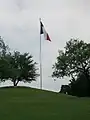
[63, 20]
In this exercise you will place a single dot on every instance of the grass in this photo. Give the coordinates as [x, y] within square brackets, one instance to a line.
[33, 104]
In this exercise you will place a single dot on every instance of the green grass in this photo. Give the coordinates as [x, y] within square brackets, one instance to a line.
[33, 104]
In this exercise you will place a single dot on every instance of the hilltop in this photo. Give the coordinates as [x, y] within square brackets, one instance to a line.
[33, 104]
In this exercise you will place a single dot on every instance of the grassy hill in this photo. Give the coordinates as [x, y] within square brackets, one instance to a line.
[33, 104]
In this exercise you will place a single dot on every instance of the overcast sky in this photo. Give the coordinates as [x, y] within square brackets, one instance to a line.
[63, 19]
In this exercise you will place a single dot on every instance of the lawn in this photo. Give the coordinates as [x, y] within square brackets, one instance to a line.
[34, 104]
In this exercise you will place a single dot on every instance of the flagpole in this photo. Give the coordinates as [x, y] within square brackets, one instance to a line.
[40, 62]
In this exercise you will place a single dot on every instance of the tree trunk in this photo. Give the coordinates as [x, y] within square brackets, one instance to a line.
[15, 82]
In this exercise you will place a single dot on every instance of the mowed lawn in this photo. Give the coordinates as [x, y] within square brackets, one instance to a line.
[33, 104]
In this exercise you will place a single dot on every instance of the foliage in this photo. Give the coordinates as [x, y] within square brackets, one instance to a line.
[23, 68]
[16, 66]
[3, 47]
[76, 88]
[73, 61]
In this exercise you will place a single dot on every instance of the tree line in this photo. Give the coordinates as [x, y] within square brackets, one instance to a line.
[72, 62]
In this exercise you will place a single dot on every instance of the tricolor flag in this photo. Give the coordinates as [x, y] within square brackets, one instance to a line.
[43, 31]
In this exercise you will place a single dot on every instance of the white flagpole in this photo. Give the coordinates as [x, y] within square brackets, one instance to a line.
[40, 60]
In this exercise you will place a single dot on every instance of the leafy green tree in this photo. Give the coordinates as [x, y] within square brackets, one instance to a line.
[75, 59]
[4, 65]
[15, 66]
[22, 68]
[4, 50]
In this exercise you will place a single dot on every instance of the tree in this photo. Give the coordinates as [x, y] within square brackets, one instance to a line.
[4, 50]
[15, 66]
[22, 68]
[75, 59]
[4, 71]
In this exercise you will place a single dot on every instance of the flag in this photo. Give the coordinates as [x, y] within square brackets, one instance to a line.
[43, 31]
